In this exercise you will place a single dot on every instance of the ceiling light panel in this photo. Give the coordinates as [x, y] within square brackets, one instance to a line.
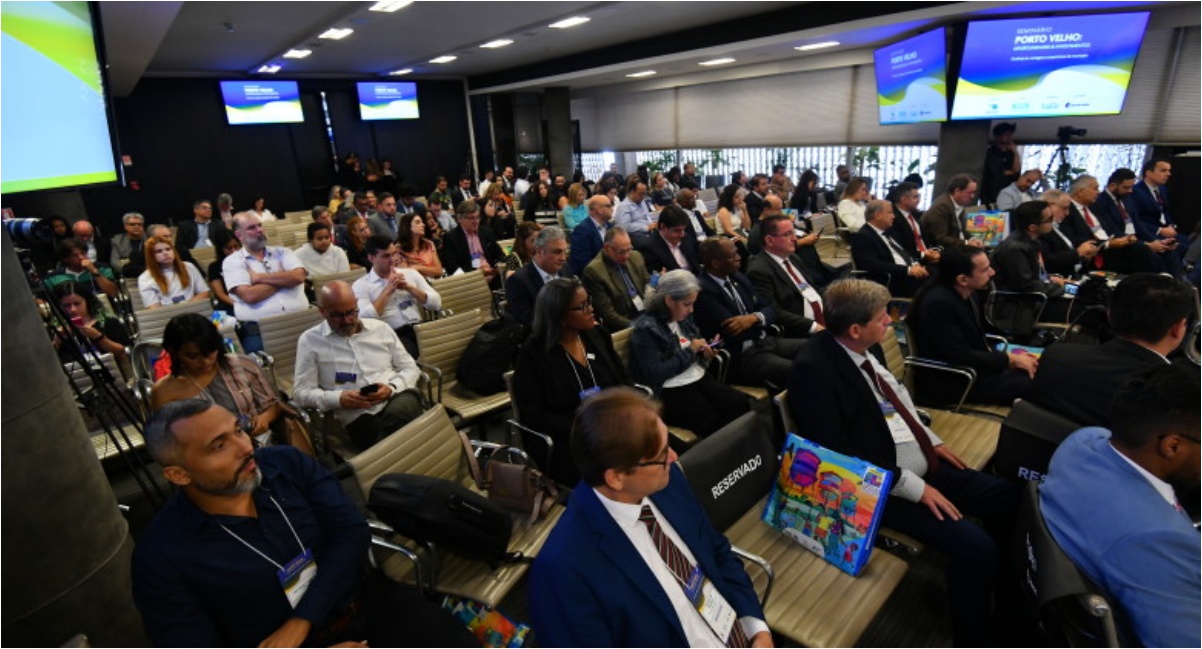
[570, 22]
[390, 6]
[401, 72]
[446, 58]
[500, 42]
[640, 75]
[816, 46]
[722, 61]
[336, 34]
[297, 54]
[269, 69]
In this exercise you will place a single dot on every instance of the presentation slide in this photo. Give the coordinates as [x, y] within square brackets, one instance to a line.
[388, 100]
[1048, 67]
[54, 129]
[262, 102]
[911, 80]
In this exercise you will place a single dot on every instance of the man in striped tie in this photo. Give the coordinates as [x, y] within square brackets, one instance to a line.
[634, 562]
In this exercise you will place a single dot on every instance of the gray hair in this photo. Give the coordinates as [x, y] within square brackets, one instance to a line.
[613, 233]
[1053, 196]
[875, 208]
[466, 208]
[848, 302]
[1081, 183]
[132, 215]
[160, 439]
[225, 199]
[155, 227]
[547, 235]
[677, 284]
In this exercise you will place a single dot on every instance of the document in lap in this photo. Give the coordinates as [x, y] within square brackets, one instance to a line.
[828, 502]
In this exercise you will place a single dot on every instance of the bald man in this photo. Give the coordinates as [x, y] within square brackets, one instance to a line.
[371, 385]
[589, 236]
[98, 249]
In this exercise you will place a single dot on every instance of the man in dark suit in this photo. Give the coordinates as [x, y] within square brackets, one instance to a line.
[845, 399]
[1018, 259]
[463, 192]
[1115, 208]
[589, 235]
[360, 206]
[804, 244]
[728, 306]
[1152, 217]
[698, 228]
[610, 573]
[906, 227]
[1120, 253]
[875, 251]
[755, 198]
[615, 279]
[407, 203]
[943, 224]
[547, 262]
[670, 247]
[188, 233]
[1068, 249]
[780, 279]
[470, 247]
[1149, 314]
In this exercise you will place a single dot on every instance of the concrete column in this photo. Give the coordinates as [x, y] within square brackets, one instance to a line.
[557, 109]
[961, 150]
[503, 133]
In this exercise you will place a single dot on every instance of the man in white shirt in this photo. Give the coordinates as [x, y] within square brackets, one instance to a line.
[262, 280]
[357, 369]
[393, 294]
[521, 185]
[320, 256]
[611, 573]
[633, 215]
[446, 220]
[687, 200]
[1019, 191]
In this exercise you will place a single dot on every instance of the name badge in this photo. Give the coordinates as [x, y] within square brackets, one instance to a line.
[345, 377]
[588, 392]
[638, 302]
[713, 607]
[404, 304]
[898, 427]
[177, 299]
[296, 576]
[476, 260]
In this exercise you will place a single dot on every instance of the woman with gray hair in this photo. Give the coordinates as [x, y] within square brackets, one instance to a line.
[668, 354]
[566, 360]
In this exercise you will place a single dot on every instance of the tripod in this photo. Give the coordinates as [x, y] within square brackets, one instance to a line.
[1064, 173]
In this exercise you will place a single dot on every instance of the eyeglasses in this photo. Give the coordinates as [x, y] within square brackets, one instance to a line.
[583, 306]
[662, 463]
[342, 315]
[621, 251]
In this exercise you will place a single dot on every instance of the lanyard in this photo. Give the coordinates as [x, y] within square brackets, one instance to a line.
[588, 365]
[256, 550]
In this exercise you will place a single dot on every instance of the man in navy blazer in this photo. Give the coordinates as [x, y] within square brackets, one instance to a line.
[588, 237]
[672, 233]
[1152, 217]
[886, 261]
[1117, 211]
[599, 580]
[521, 289]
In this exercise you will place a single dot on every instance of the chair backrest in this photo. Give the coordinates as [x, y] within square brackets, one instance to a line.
[731, 470]
[428, 445]
[1028, 437]
[204, 257]
[464, 292]
[1073, 611]
[143, 357]
[707, 194]
[506, 245]
[442, 341]
[782, 407]
[348, 276]
[280, 333]
[135, 296]
[1014, 314]
[621, 342]
[151, 322]
[299, 215]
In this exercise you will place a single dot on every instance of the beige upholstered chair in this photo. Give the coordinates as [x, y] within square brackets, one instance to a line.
[442, 343]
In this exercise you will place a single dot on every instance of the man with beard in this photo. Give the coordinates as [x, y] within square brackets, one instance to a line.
[262, 548]
[1144, 551]
[262, 280]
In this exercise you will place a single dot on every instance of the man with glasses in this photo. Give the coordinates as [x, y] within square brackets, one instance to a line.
[1018, 261]
[262, 280]
[199, 232]
[392, 293]
[782, 280]
[1144, 552]
[358, 369]
[470, 247]
[616, 279]
[549, 256]
[588, 236]
[634, 562]
[128, 245]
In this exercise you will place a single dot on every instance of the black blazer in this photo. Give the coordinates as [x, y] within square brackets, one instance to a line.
[1074, 226]
[872, 255]
[714, 306]
[904, 234]
[1016, 261]
[1079, 381]
[816, 271]
[1106, 209]
[659, 257]
[521, 289]
[947, 328]
[186, 234]
[755, 205]
[833, 405]
[456, 255]
[1058, 257]
[776, 288]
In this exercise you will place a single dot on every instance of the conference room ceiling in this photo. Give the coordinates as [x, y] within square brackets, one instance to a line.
[233, 39]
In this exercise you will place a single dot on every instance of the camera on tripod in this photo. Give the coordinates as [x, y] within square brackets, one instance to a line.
[1066, 133]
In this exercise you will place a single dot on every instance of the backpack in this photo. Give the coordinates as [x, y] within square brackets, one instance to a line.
[490, 355]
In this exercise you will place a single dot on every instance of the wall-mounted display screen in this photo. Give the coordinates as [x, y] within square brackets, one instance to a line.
[262, 102]
[1048, 67]
[911, 80]
[387, 100]
[54, 129]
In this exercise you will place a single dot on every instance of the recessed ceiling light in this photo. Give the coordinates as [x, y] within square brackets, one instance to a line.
[722, 61]
[397, 73]
[336, 34]
[270, 69]
[639, 75]
[816, 46]
[500, 42]
[389, 6]
[297, 54]
[570, 22]
[446, 58]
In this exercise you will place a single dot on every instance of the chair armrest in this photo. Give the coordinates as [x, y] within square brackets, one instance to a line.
[996, 339]
[526, 430]
[1098, 607]
[430, 369]
[969, 374]
[924, 417]
[646, 390]
[377, 539]
[764, 565]
[481, 445]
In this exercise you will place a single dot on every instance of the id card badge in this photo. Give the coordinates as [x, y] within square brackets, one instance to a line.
[588, 392]
[710, 603]
[296, 576]
[404, 304]
[345, 377]
[177, 299]
[898, 427]
[476, 259]
[638, 303]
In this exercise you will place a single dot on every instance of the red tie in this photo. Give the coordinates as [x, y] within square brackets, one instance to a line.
[1089, 219]
[920, 433]
[917, 235]
[1123, 210]
[814, 304]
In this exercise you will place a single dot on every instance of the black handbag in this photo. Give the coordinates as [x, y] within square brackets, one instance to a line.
[444, 513]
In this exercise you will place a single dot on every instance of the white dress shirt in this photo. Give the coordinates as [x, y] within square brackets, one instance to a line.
[236, 270]
[402, 306]
[805, 288]
[333, 260]
[373, 355]
[851, 214]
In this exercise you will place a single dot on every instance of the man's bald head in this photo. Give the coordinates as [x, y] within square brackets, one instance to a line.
[337, 303]
[83, 231]
[772, 205]
[600, 208]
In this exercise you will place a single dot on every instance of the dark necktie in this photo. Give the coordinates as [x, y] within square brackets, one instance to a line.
[630, 289]
[920, 433]
[814, 304]
[734, 295]
[679, 565]
[898, 249]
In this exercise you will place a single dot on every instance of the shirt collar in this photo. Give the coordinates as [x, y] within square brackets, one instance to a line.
[625, 515]
[1163, 488]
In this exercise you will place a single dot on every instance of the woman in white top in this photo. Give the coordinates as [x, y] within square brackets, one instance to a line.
[855, 200]
[167, 280]
[731, 208]
[259, 209]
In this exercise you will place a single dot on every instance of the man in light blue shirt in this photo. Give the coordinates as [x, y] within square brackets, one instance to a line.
[633, 214]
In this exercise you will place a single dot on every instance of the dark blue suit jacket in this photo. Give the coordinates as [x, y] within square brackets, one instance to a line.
[586, 243]
[590, 588]
[1106, 209]
[872, 255]
[1147, 211]
[714, 306]
[521, 289]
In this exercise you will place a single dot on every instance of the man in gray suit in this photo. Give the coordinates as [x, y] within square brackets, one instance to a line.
[615, 279]
[384, 222]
